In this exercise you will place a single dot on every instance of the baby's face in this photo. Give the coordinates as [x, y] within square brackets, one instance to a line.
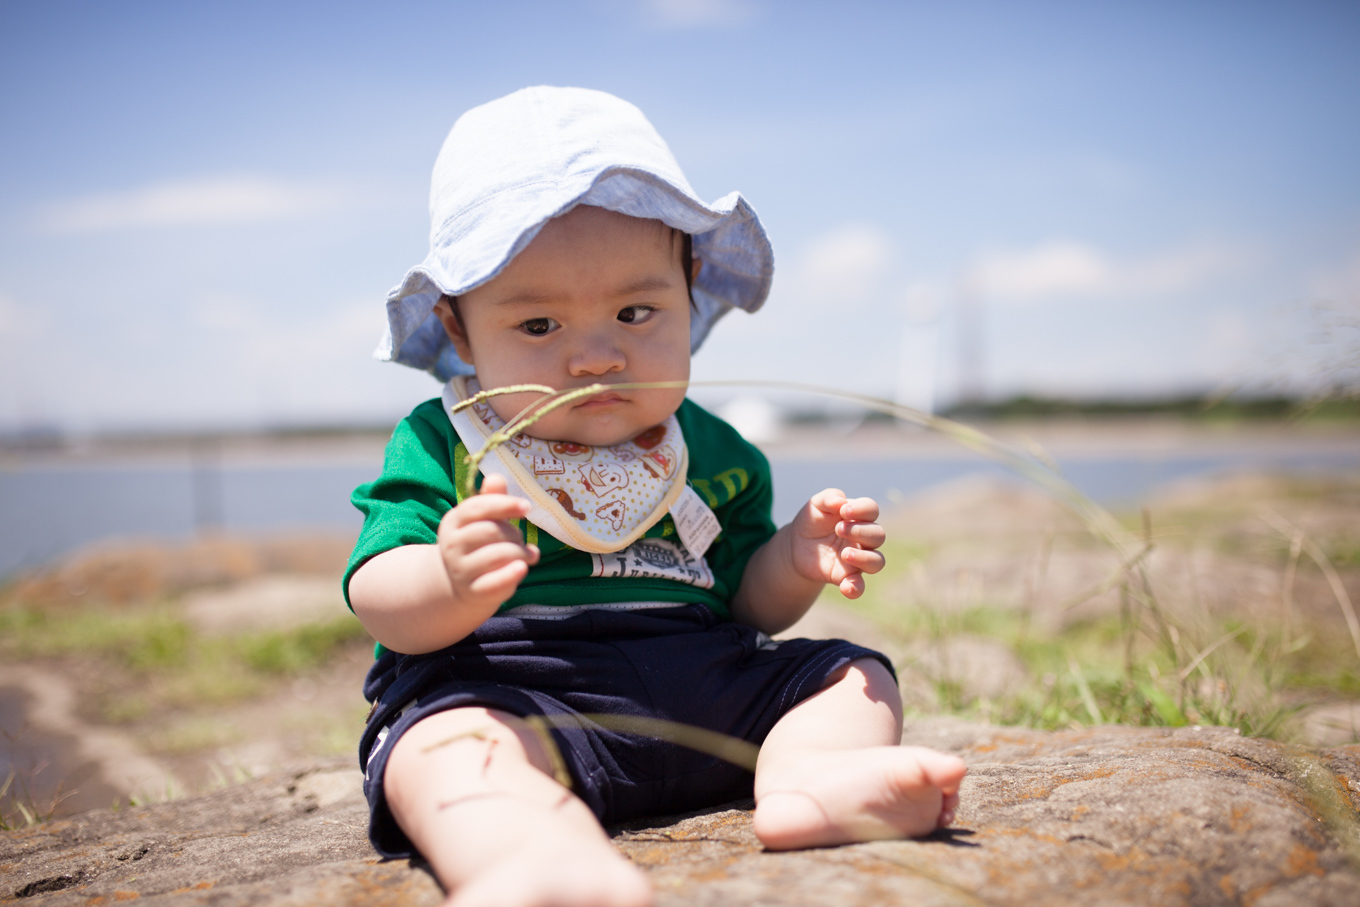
[597, 297]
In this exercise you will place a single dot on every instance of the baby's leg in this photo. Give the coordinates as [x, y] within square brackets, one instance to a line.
[831, 771]
[471, 788]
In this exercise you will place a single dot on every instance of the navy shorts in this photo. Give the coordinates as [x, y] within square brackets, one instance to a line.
[681, 664]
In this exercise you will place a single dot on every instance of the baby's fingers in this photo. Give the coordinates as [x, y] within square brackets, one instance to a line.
[501, 582]
[863, 510]
[490, 558]
[862, 560]
[865, 535]
[829, 501]
[485, 532]
[486, 507]
[496, 569]
[818, 519]
[852, 586]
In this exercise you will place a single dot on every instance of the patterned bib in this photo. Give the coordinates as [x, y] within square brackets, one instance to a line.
[596, 499]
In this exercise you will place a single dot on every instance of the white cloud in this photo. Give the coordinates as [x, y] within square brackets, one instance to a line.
[1179, 270]
[203, 201]
[845, 262]
[1339, 285]
[1055, 269]
[274, 344]
[700, 13]
[1230, 343]
[19, 323]
[1066, 269]
[224, 312]
[834, 317]
[268, 368]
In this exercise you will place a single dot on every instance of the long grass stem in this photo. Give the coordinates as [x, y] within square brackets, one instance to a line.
[1097, 520]
[1324, 563]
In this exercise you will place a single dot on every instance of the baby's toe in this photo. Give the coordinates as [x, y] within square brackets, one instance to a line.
[941, 770]
[948, 809]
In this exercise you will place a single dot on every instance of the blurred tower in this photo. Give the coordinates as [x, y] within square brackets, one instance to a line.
[205, 470]
[970, 388]
[919, 357]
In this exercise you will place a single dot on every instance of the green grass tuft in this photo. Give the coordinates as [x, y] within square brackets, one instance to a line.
[301, 649]
[171, 664]
[1148, 668]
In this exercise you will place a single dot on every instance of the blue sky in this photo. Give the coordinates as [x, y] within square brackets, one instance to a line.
[202, 206]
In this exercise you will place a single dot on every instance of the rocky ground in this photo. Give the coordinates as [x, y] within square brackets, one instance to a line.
[261, 801]
[1108, 816]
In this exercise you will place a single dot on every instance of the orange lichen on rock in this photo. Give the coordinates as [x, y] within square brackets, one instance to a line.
[1301, 861]
[1237, 819]
[1225, 885]
[127, 572]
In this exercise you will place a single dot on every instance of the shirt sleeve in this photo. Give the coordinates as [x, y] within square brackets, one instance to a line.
[404, 505]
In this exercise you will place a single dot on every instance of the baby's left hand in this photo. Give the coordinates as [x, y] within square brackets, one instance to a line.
[835, 540]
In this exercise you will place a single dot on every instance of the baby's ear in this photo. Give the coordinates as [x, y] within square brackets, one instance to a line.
[695, 267]
[446, 310]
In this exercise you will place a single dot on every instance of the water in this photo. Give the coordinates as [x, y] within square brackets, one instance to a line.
[46, 771]
[46, 511]
[49, 510]
[1112, 481]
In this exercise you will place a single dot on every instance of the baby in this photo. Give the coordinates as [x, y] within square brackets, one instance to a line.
[618, 561]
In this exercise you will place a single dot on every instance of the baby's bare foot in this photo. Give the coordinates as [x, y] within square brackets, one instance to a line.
[544, 871]
[814, 799]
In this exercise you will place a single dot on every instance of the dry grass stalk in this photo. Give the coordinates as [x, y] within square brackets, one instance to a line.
[1141, 612]
[1039, 470]
[723, 746]
[1343, 599]
[1287, 590]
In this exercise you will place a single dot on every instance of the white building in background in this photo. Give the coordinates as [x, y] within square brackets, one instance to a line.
[754, 417]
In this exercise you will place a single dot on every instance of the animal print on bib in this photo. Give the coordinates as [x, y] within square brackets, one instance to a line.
[655, 559]
[596, 499]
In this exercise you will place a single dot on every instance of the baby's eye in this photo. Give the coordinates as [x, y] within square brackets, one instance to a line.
[538, 327]
[636, 314]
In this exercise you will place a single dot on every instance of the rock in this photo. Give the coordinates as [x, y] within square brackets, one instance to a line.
[118, 766]
[980, 507]
[1219, 552]
[981, 668]
[276, 601]
[1142, 815]
[295, 838]
[1107, 815]
[827, 620]
[129, 571]
[1332, 723]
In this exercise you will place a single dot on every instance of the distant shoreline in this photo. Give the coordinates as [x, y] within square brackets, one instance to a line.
[1076, 436]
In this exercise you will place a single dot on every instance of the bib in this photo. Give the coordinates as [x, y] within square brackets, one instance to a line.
[595, 499]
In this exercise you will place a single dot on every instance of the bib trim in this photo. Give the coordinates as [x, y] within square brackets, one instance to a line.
[546, 511]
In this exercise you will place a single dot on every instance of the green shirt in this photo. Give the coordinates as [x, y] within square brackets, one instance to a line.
[420, 481]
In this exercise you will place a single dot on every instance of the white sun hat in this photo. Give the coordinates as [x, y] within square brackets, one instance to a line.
[509, 166]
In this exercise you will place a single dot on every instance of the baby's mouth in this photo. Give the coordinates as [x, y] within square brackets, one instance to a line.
[608, 398]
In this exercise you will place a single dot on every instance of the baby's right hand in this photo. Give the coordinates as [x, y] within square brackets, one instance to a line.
[485, 555]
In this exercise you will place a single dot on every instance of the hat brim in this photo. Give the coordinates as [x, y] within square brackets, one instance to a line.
[727, 235]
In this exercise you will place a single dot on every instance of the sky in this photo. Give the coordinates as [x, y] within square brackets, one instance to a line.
[203, 206]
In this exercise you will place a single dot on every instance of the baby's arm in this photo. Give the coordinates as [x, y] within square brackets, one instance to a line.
[419, 598]
[831, 540]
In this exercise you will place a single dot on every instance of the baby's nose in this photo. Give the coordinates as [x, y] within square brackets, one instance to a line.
[597, 357]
